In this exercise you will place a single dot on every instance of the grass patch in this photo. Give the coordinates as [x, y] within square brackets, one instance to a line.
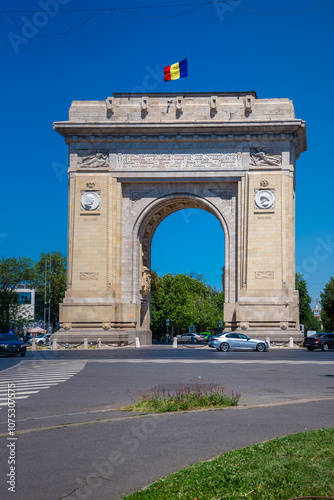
[187, 398]
[294, 466]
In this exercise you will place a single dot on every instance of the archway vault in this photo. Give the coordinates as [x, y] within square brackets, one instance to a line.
[134, 160]
[160, 200]
[149, 220]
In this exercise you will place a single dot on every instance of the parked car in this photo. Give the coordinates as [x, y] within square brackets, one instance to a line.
[206, 336]
[41, 339]
[190, 337]
[11, 344]
[324, 341]
[227, 341]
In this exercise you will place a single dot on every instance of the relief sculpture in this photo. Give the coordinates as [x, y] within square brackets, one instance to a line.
[259, 157]
[98, 159]
[269, 275]
[89, 276]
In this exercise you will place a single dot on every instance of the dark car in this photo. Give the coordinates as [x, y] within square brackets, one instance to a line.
[11, 344]
[324, 341]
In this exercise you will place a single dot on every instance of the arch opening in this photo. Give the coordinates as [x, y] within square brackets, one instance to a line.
[147, 226]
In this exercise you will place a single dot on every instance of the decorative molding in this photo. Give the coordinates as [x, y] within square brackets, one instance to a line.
[213, 104]
[109, 103]
[144, 104]
[264, 183]
[89, 276]
[106, 326]
[90, 184]
[67, 326]
[260, 275]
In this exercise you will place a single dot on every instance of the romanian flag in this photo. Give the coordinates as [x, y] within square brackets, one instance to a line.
[176, 71]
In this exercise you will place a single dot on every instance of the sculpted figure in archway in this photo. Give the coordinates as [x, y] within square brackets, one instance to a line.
[146, 281]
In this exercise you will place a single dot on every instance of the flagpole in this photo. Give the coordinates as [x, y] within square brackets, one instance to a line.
[187, 75]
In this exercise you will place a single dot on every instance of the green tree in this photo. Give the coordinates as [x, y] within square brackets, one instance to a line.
[327, 306]
[306, 316]
[185, 301]
[52, 273]
[13, 272]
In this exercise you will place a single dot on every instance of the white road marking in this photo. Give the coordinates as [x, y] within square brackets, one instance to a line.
[214, 361]
[30, 379]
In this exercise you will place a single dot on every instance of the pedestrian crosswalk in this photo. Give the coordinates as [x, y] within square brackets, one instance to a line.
[29, 378]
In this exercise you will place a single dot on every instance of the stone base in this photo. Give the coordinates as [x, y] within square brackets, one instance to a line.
[123, 337]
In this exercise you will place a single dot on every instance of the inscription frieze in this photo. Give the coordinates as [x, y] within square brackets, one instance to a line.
[157, 161]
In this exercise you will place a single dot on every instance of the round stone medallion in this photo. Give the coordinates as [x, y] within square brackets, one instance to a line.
[90, 200]
[264, 199]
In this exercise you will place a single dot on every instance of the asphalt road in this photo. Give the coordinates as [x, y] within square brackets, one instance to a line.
[68, 429]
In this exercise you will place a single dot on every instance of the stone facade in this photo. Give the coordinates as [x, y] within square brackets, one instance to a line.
[134, 159]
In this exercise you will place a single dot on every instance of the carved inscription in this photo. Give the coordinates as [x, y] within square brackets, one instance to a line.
[177, 160]
[89, 276]
[264, 275]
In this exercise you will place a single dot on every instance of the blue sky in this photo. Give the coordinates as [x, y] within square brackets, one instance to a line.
[229, 49]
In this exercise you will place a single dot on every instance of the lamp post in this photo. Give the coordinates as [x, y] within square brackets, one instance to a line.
[167, 330]
[44, 294]
[49, 319]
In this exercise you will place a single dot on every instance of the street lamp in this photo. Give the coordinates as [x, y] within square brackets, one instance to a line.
[49, 319]
[44, 293]
[167, 332]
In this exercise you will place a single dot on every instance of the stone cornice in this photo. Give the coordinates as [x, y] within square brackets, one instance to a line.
[243, 130]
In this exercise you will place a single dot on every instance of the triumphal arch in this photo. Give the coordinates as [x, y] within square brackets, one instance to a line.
[134, 159]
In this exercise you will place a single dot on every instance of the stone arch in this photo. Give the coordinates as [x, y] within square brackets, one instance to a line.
[148, 220]
[143, 159]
